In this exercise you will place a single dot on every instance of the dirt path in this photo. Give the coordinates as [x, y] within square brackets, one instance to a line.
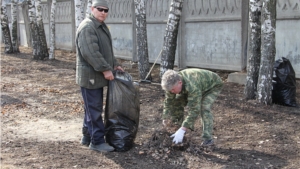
[41, 118]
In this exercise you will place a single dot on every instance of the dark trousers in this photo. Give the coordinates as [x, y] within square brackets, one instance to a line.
[93, 107]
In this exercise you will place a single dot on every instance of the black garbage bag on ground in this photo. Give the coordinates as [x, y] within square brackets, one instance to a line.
[122, 111]
[284, 83]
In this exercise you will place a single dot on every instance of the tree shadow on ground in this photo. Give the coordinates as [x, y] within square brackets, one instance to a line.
[59, 63]
[238, 158]
[5, 99]
[227, 158]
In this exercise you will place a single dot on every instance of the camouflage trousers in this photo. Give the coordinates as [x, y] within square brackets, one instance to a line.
[207, 101]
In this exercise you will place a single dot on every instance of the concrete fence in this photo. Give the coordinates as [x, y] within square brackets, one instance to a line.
[212, 33]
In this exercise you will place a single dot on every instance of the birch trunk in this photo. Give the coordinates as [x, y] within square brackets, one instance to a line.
[82, 10]
[25, 13]
[268, 51]
[88, 8]
[142, 46]
[33, 28]
[8, 48]
[14, 26]
[78, 12]
[41, 31]
[254, 43]
[170, 39]
[52, 30]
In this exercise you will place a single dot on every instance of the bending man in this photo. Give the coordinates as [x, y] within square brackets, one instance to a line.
[197, 89]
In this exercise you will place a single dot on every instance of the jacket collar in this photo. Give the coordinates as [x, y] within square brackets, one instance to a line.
[95, 21]
[183, 90]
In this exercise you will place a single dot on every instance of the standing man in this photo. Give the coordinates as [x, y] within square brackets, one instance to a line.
[197, 89]
[95, 62]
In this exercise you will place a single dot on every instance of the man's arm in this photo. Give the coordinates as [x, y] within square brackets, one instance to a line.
[168, 105]
[194, 104]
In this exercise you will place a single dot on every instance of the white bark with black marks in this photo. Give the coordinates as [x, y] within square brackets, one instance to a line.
[254, 44]
[14, 26]
[33, 28]
[142, 45]
[52, 30]
[79, 13]
[268, 51]
[170, 38]
[43, 49]
[88, 8]
[8, 48]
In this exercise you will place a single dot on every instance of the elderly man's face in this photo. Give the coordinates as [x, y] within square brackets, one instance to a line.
[176, 89]
[100, 13]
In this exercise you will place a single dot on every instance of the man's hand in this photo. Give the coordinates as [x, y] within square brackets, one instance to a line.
[119, 68]
[178, 136]
[108, 75]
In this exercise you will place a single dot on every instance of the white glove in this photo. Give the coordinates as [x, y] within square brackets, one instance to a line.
[178, 136]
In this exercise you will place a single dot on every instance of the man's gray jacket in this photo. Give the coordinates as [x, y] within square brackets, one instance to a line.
[94, 53]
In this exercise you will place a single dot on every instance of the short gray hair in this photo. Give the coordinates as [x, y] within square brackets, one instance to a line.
[169, 79]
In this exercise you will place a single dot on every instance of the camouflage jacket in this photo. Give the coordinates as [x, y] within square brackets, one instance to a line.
[195, 82]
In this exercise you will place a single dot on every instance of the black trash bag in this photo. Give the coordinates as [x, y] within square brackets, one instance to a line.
[122, 111]
[284, 83]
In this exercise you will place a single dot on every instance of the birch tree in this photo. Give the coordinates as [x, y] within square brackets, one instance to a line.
[170, 38]
[8, 48]
[254, 43]
[24, 6]
[33, 28]
[14, 26]
[79, 14]
[268, 51]
[41, 31]
[88, 8]
[38, 50]
[52, 30]
[83, 9]
[142, 45]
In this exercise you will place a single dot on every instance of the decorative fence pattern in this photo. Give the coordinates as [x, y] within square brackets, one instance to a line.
[203, 9]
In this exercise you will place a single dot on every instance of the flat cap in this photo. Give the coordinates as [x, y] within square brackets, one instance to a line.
[100, 3]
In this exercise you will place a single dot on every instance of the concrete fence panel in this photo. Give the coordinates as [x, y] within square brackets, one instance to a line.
[212, 33]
